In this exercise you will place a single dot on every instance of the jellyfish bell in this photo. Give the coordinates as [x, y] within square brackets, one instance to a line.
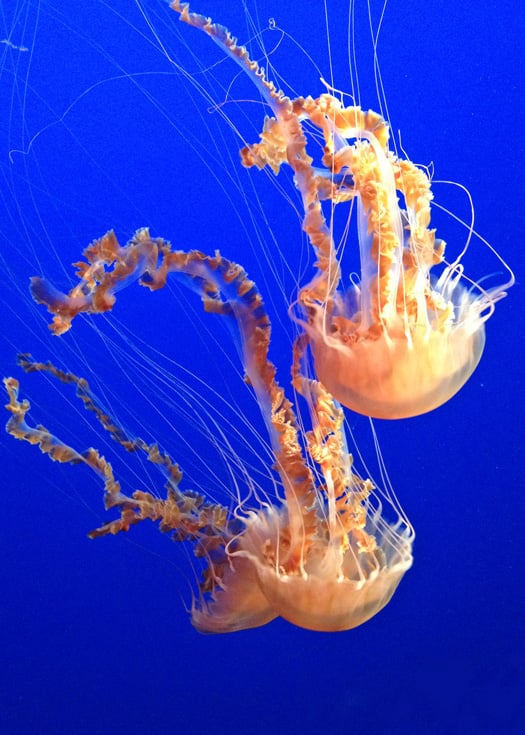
[333, 586]
[401, 368]
[394, 376]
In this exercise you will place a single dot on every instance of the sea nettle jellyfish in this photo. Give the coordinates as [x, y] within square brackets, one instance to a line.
[330, 555]
[401, 341]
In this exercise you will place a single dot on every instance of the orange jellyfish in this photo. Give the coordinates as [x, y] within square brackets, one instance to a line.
[402, 341]
[328, 556]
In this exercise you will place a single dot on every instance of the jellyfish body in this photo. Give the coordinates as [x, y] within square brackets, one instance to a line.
[394, 375]
[333, 588]
[330, 555]
[402, 341]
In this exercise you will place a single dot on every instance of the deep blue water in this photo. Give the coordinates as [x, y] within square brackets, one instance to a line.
[97, 130]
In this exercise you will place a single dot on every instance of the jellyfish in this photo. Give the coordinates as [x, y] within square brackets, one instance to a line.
[401, 339]
[329, 555]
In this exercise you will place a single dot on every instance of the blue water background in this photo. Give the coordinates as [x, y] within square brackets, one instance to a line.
[94, 637]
